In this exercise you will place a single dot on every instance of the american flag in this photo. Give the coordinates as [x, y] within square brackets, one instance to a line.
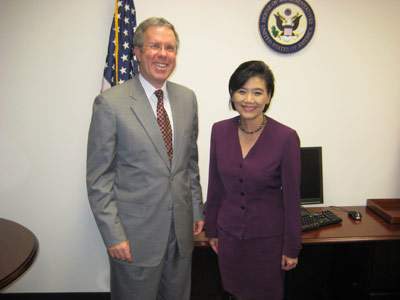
[120, 45]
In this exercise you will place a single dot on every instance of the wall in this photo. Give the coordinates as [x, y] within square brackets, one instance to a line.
[341, 92]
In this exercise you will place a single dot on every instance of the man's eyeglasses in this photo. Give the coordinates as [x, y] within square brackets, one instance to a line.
[158, 47]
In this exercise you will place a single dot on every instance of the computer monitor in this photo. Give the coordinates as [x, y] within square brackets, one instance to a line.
[311, 190]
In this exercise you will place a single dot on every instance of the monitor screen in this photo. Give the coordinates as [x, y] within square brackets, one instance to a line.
[311, 191]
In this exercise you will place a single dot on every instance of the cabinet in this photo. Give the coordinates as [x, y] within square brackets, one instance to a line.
[368, 270]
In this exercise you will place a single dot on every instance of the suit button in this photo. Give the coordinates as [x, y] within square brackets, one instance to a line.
[240, 166]
[241, 180]
[242, 193]
[242, 207]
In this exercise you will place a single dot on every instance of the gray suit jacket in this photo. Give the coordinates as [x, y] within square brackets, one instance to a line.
[133, 190]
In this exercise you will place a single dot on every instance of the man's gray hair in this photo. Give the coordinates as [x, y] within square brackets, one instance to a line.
[138, 38]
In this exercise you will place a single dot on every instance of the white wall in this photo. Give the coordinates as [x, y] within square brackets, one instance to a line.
[341, 92]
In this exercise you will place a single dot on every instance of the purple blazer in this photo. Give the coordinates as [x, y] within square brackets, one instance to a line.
[257, 196]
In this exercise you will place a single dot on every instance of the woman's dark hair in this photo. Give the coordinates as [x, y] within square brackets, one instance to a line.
[248, 69]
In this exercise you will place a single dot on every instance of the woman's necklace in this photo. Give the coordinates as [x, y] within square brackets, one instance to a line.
[255, 130]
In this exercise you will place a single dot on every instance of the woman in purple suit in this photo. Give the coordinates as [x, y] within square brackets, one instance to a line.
[252, 210]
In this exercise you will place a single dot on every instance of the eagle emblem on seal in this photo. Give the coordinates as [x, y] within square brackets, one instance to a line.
[286, 26]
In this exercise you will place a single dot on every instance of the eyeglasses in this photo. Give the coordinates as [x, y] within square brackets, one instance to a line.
[158, 48]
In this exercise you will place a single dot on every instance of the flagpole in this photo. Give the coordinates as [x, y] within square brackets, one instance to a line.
[116, 38]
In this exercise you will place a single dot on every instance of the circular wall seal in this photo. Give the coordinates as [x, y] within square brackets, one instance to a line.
[287, 25]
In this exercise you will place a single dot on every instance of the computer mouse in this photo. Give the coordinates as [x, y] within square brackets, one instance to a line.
[355, 215]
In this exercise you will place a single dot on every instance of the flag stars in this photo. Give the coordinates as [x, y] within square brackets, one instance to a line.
[126, 32]
[121, 81]
[123, 70]
[127, 8]
[124, 57]
[119, 3]
[125, 45]
[126, 20]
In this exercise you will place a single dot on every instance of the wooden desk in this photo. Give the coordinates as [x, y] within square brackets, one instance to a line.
[18, 248]
[351, 260]
[371, 228]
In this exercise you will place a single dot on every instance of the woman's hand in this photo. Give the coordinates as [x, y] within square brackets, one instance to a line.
[214, 244]
[288, 263]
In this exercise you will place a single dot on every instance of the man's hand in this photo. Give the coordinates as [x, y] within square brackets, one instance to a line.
[214, 244]
[121, 251]
[198, 227]
[288, 263]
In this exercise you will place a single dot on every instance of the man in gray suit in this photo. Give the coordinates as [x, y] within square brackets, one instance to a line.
[142, 173]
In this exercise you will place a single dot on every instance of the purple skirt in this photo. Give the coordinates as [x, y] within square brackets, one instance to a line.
[251, 269]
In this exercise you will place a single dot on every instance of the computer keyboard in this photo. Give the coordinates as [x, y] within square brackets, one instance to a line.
[310, 221]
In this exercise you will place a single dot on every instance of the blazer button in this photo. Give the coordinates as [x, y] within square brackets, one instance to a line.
[241, 180]
[242, 193]
[242, 207]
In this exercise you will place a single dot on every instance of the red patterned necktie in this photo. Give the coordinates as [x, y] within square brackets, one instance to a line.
[163, 123]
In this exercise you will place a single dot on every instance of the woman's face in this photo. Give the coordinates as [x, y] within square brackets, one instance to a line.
[251, 98]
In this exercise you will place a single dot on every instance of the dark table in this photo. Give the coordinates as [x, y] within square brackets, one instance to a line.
[356, 260]
[18, 249]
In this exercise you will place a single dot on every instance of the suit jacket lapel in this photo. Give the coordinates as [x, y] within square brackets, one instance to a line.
[177, 115]
[144, 113]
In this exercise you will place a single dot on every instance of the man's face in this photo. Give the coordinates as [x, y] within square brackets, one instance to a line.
[157, 58]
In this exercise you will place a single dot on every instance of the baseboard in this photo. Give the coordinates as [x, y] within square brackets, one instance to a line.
[80, 296]
[55, 296]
